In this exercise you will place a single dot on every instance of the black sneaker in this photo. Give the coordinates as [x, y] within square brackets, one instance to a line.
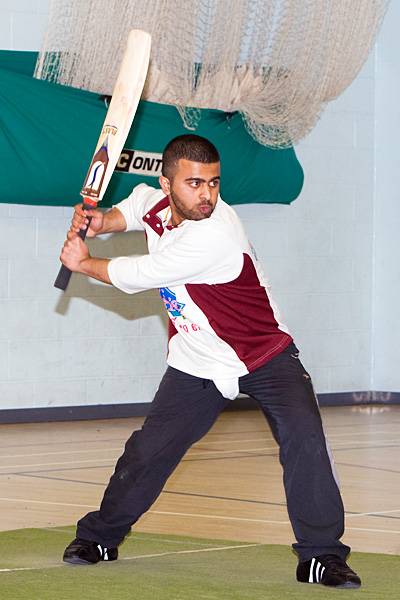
[83, 552]
[327, 569]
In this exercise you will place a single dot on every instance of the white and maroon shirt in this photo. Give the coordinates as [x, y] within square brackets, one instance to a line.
[222, 322]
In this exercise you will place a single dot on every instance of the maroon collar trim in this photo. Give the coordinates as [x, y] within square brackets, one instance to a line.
[152, 218]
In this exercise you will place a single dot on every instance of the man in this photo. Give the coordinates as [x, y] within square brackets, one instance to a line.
[225, 337]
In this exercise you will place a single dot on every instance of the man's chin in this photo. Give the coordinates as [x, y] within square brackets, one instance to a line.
[199, 215]
[205, 211]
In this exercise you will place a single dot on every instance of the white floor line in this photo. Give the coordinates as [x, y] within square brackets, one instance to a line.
[218, 517]
[113, 458]
[236, 451]
[195, 454]
[103, 449]
[372, 530]
[55, 530]
[192, 551]
[29, 568]
[337, 445]
[26, 501]
[51, 464]
[374, 512]
[141, 556]
[156, 512]
[383, 443]
[200, 515]
[138, 536]
[356, 433]
[203, 444]
[267, 437]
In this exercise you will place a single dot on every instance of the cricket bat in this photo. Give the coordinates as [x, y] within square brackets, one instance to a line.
[125, 99]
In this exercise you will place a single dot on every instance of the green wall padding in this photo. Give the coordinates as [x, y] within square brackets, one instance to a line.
[48, 133]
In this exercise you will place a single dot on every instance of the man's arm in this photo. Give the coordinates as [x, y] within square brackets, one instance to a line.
[125, 216]
[194, 258]
[201, 253]
[111, 221]
[75, 255]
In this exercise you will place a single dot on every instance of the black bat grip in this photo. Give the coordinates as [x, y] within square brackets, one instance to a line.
[64, 274]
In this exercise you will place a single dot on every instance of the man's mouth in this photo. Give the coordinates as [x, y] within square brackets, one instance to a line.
[205, 208]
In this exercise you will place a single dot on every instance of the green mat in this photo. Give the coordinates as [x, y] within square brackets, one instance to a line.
[165, 567]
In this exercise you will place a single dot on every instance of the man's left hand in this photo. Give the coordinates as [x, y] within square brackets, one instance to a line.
[74, 253]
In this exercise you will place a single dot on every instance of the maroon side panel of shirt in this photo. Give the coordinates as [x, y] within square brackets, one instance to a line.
[240, 313]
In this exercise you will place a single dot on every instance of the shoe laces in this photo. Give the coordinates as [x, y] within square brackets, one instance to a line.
[334, 563]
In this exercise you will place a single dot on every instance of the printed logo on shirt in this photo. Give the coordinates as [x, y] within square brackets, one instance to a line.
[170, 302]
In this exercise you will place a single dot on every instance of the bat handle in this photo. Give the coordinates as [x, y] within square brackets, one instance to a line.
[64, 274]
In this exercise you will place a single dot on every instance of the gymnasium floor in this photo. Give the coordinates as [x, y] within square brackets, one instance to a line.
[228, 486]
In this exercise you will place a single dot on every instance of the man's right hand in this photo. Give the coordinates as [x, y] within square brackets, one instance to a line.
[80, 221]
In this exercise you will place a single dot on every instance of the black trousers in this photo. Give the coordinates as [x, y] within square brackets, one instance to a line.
[184, 409]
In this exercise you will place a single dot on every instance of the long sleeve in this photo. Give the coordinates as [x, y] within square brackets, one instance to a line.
[198, 254]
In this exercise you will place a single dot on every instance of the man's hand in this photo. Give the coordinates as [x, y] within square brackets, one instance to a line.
[75, 256]
[80, 221]
[74, 252]
[111, 221]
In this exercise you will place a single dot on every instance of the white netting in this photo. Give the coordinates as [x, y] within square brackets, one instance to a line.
[277, 62]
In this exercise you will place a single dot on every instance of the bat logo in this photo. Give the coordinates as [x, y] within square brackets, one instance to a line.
[110, 129]
[95, 175]
[97, 169]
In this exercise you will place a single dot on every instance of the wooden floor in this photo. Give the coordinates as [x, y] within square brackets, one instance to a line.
[228, 486]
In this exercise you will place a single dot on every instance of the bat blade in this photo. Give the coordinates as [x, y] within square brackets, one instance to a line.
[121, 111]
[120, 114]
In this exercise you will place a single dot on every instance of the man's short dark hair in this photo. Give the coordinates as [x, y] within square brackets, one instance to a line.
[189, 147]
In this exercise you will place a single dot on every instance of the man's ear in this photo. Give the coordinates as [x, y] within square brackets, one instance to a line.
[165, 185]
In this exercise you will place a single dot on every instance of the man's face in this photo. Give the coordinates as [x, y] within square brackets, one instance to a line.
[193, 190]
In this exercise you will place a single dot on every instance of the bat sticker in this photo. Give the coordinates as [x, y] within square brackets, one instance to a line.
[95, 176]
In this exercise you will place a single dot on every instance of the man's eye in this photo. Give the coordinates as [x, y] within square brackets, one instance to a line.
[194, 184]
[214, 183]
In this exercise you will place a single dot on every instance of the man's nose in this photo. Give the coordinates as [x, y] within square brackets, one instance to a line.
[205, 192]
